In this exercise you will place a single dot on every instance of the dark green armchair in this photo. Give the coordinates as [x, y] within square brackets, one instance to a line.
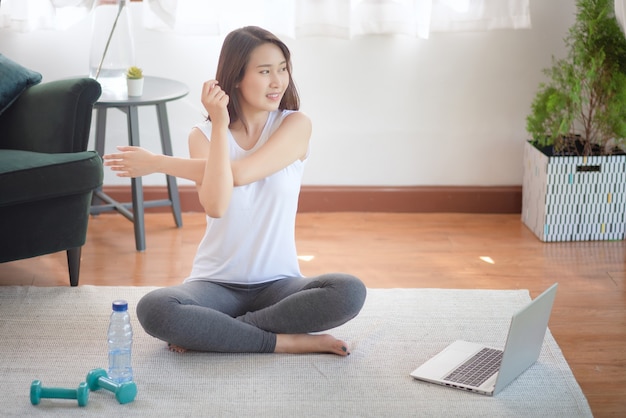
[46, 173]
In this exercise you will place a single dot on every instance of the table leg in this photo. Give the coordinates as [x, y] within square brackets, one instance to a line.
[101, 123]
[166, 145]
[136, 184]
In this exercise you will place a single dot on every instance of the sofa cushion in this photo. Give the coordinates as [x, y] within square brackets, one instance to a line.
[27, 176]
[14, 79]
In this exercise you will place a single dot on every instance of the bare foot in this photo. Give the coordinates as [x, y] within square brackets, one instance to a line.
[175, 348]
[306, 343]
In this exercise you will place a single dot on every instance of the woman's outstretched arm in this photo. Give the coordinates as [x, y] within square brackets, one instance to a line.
[137, 162]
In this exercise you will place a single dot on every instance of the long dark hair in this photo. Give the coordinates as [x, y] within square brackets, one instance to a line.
[232, 63]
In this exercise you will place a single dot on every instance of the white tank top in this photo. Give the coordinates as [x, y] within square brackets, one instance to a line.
[254, 242]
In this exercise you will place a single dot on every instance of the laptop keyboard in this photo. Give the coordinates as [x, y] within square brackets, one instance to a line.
[475, 371]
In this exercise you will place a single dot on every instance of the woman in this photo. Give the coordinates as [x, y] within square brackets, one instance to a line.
[245, 292]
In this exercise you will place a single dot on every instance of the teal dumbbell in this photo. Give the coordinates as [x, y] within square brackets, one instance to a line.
[99, 379]
[37, 391]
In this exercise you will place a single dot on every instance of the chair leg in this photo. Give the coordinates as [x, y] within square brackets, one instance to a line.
[73, 264]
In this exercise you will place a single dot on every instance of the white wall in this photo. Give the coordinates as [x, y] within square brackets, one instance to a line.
[386, 111]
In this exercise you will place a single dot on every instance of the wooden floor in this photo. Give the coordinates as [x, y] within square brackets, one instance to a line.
[401, 250]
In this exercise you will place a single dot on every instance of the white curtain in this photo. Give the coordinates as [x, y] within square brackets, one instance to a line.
[29, 15]
[620, 13]
[293, 18]
[337, 18]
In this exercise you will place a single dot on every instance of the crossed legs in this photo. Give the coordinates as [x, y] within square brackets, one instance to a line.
[270, 317]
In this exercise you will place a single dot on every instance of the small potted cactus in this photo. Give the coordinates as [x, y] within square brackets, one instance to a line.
[134, 79]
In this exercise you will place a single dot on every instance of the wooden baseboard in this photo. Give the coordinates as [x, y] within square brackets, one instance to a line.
[451, 199]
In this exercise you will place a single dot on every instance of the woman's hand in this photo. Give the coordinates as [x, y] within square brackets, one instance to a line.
[215, 101]
[132, 162]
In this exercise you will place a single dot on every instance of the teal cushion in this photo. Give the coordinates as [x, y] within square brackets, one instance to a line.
[27, 176]
[14, 79]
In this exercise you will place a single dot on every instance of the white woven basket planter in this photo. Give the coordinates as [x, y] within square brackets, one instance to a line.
[574, 198]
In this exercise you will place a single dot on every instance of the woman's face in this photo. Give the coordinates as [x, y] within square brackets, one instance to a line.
[265, 80]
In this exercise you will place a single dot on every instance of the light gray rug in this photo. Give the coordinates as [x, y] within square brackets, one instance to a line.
[58, 334]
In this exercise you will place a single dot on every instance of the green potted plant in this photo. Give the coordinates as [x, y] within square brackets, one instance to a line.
[134, 79]
[578, 128]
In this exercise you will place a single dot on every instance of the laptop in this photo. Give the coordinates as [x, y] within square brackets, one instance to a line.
[486, 370]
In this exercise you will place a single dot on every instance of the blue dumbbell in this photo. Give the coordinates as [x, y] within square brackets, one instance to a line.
[99, 379]
[37, 392]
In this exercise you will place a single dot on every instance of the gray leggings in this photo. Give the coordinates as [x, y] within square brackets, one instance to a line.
[218, 317]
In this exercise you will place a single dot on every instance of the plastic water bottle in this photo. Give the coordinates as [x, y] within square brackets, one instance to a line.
[120, 338]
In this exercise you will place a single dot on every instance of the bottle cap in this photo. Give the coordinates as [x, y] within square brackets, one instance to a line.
[120, 305]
